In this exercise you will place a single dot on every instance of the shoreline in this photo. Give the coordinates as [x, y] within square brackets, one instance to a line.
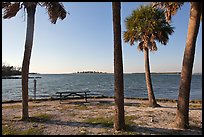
[137, 98]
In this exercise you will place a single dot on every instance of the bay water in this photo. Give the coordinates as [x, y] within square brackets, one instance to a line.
[164, 85]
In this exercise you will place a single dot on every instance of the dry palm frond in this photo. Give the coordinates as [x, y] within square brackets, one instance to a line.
[140, 46]
[11, 10]
[5, 4]
[170, 8]
[55, 10]
[154, 46]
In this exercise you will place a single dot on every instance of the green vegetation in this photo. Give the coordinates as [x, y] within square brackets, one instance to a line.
[93, 72]
[195, 106]
[8, 70]
[81, 107]
[105, 121]
[10, 130]
[11, 106]
[108, 121]
[44, 116]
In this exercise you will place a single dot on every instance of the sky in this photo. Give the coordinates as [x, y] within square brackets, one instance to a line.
[83, 41]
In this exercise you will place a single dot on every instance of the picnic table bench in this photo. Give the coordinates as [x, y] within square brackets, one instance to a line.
[74, 94]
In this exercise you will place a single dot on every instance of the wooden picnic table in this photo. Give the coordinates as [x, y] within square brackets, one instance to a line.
[74, 94]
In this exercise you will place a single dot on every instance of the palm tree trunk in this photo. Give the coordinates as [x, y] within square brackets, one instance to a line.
[182, 116]
[26, 59]
[119, 122]
[151, 98]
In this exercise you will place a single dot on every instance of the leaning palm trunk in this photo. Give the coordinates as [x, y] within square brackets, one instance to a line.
[151, 98]
[119, 122]
[182, 116]
[26, 59]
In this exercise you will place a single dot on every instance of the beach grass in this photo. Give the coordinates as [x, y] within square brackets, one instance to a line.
[97, 114]
[11, 130]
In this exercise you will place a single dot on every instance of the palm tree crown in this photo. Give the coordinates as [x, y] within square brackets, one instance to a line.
[147, 25]
[170, 8]
[55, 9]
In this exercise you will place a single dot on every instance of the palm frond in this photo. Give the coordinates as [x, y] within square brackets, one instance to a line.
[55, 10]
[153, 46]
[140, 46]
[5, 4]
[11, 9]
[170, 8]
[147, 25]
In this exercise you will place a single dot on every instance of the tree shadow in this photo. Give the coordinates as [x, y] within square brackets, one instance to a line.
[168, 107]
[133, 129]
[195, 108]
[89, 102]
[164, 131]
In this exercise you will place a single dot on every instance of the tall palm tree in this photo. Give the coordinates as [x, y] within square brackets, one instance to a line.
[55, 11]
[119, 122]
[170, 8]
[182, 114]
[147, 25]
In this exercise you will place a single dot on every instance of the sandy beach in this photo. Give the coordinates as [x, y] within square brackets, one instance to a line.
[95, 117]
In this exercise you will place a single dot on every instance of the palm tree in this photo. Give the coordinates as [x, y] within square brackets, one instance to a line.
[119, 122]
[147, 25]
[182, 114]
[170, 8]
[55, 11]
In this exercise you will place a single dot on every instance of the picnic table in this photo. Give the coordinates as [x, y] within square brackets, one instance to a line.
[74, 94]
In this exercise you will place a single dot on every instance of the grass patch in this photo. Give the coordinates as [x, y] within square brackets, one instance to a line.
[81, 107]
[71, 114]
[166, 100]
[32, 131]
[19, 106]
[45, 116]
[40, 118]
[36, 106]
[129, 120]
[195, 105]
[196, 101]
[107, 122]
[9, 130]
[11, 106]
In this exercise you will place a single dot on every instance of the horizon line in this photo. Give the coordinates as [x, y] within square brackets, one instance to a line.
[168, 72]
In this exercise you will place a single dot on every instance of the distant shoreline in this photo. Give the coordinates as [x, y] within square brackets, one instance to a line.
[127, 73]
[136, 98]
[98, 72]
[18, 77]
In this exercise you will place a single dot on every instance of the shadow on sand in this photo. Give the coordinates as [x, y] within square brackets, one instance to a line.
[139, 130]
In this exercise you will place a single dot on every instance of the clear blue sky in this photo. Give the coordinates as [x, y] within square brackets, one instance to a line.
[84, 41]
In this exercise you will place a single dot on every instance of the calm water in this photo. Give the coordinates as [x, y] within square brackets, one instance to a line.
[164, 85]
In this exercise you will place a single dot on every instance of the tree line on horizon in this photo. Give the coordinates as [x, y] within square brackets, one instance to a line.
[8, 70]
[145, 25]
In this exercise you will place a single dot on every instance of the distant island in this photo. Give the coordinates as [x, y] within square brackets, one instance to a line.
[34, 73]
[160, 73]
[166, 73]
[92, 72]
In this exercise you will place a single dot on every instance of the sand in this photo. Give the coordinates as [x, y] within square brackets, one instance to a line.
[95, 117]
